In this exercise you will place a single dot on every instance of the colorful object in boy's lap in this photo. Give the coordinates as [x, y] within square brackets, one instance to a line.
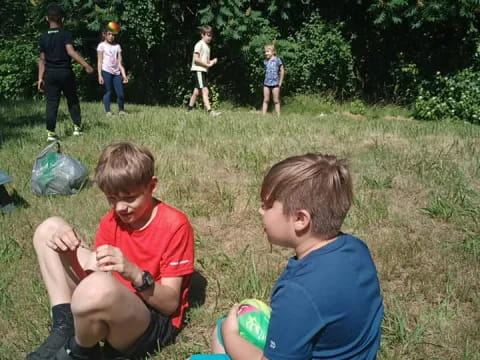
[113, 27]
[253, 319]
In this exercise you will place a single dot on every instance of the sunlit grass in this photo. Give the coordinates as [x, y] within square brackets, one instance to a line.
[417, 201]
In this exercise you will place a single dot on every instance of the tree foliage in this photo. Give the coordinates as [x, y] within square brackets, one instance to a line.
[381, 49]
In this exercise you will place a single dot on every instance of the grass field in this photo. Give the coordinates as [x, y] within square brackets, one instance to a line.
[417, 206]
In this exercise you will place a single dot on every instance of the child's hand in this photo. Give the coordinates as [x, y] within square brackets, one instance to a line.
[213, 61]
[230, 325]
[111, 258]
[89, 69]
[64, 239]
[40, 85]
[100, 79]
[125, 80]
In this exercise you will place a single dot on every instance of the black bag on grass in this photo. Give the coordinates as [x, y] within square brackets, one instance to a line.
[55, 173]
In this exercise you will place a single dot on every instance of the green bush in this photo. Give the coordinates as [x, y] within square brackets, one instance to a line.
[456, 96]
[323, 61]
[18, 68]
[316, 59]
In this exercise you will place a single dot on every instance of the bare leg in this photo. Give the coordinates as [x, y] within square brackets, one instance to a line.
[276, 99]
[266, 99]
[103, 308]
[193, 98]
[61, 271]
[206, 101]
[217, 348]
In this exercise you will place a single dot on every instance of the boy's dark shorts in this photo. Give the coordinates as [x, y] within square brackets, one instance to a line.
[159, 333]
[200, 79]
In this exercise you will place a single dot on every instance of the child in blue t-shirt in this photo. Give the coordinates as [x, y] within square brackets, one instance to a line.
[274, 73]
[327, 302]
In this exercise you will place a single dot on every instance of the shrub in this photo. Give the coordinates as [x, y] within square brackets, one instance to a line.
[323, 61]
[18, 68]
[450, 96]
[316, 59]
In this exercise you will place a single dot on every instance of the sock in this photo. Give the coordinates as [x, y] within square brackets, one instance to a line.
[62, 318]
[82, 352]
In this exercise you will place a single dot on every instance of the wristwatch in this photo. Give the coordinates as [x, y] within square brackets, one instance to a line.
[147, 281]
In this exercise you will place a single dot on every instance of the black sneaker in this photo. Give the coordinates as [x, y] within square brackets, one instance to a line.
[66, 353]
[56, 340]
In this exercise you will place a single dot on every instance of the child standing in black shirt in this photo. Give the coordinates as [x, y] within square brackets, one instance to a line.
[55, 73]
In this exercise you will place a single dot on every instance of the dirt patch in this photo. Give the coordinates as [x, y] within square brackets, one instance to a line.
[350, 115]
[398, 118]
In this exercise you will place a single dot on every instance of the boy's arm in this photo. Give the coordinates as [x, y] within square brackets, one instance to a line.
[164, 295]
[199, 62]
[282, 74]
[122, 68]
[75, 56]
[41, 71]
[237, 347]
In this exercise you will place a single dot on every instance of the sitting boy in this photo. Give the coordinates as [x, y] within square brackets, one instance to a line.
[327, 302]
[131, 291]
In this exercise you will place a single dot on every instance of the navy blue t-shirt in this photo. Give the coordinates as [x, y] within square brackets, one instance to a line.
[327, 305]
[53, 43]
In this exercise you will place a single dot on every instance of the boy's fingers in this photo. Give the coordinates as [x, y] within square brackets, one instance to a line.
[234, 310]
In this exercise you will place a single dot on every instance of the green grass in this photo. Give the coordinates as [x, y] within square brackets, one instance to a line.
[417, 189]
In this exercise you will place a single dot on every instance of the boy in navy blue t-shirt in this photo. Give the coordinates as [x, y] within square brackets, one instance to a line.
[327, 302]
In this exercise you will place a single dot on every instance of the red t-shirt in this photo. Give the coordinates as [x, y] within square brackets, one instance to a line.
[164, 248]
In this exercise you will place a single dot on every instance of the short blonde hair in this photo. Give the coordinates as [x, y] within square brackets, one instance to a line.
[270, 47]
[123, 167]
[319, 184]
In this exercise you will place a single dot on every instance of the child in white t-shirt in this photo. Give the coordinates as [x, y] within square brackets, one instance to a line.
[111, 73]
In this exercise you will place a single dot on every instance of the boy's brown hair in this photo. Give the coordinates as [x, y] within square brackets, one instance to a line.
[319, 184]
[205, 29]
[124, 166]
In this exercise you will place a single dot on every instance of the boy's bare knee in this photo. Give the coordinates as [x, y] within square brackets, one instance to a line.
[46, 229]
[95, 292]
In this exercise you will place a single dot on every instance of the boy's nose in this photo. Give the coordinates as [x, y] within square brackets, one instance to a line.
[120, 206]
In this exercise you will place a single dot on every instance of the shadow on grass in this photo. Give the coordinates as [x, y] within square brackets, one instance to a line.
[12, 126]
[8, 202]
[196, 295]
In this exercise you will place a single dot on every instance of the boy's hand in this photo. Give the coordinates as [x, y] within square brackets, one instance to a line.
[230, 325]
[89, 69]
[213, 62]
[65, 239]
[40, 85]
[111, 258]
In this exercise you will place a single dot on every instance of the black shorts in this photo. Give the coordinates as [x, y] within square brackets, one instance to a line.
[200, 79]
[159, 333]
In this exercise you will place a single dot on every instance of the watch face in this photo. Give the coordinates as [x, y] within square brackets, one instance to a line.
[148, 281]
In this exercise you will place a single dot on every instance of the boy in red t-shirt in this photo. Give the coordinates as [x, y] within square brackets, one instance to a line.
[148, 248]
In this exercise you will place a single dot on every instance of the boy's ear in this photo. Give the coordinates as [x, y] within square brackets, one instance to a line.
[152, 186]
[302, 220]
